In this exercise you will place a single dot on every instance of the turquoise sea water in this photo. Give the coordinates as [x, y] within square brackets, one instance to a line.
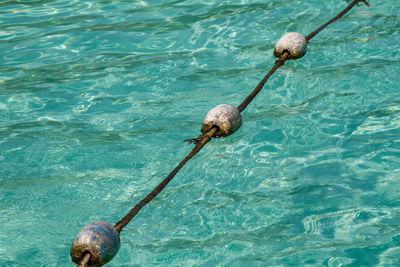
[96, 97]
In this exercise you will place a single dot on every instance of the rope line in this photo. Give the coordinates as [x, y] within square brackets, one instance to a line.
[205, 137]
[338, 16]
[278, 63]
[281, 61]
[85, 260]
[132, 213]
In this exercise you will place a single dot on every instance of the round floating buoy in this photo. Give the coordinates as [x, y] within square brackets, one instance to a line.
[293, 43]
[99, 239]
[226, 117]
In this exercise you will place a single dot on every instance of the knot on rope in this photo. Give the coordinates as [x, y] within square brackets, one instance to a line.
[195, 140]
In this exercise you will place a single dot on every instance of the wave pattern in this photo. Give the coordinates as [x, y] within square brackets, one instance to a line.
[96, 96]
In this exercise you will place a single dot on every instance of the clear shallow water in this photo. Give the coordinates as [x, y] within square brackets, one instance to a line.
[96, 96]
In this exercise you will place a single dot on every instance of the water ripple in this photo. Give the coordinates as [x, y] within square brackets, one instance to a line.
[97, 96]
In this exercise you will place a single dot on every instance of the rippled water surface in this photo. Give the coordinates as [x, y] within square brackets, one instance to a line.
[96, 97]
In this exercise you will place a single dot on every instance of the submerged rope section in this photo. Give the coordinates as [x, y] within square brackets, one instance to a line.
[205, 137]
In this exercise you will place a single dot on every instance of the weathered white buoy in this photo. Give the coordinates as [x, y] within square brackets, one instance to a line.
[226, 117]
[100, 239]
[294, 43]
